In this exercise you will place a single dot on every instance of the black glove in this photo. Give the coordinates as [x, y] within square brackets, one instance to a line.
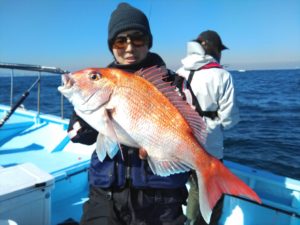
[81, 132]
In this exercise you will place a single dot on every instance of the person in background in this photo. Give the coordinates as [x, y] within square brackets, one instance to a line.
[209, 88]
[125, 191]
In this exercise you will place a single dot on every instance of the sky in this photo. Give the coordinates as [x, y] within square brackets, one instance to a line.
[72, 34]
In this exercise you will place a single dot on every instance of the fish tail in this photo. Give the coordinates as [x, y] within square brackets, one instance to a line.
[215, 180]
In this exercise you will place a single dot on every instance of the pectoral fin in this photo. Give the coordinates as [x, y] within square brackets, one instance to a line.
[106, 146]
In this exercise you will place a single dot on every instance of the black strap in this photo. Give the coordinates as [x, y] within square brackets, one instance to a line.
[194, 100]
[210, 114]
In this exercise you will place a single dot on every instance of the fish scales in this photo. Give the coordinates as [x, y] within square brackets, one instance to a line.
[144, 119]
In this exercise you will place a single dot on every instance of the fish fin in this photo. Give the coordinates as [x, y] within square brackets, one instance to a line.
[219, 180]
[110, 127]
[106, 146]
[165, 168]
[157, 76]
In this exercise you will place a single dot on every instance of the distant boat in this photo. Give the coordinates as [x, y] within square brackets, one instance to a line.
[241, 70]
[44, 179]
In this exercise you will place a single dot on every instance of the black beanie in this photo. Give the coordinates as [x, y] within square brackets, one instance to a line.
[125, 17]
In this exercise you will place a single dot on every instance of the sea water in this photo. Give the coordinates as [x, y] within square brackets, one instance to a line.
[267, 137]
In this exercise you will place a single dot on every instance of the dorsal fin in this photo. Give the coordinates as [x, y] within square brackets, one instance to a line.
[157, 75]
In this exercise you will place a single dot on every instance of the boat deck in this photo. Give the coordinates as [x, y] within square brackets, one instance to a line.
[42, 140]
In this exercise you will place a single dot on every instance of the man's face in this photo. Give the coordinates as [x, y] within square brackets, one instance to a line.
[130, 47]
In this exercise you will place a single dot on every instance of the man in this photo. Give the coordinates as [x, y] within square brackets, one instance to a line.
[209, 88]
[125, 191]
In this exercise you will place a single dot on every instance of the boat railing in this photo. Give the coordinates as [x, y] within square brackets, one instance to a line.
[33, 68]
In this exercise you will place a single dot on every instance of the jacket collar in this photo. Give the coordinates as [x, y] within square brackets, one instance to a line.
[196, 57]
[152, 59]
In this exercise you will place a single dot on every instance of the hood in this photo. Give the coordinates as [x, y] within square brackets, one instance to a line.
[196, 57]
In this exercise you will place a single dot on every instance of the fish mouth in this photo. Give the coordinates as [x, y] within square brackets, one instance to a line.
[67, 80]
[68, 86]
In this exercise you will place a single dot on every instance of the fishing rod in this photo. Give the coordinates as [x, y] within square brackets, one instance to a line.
[19, 102]
[26, 93]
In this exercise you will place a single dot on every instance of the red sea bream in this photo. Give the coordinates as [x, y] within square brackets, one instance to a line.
[143, 111]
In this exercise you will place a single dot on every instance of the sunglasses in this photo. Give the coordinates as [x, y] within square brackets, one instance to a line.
[137, 40]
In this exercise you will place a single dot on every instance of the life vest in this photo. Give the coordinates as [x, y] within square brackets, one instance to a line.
[117, 173]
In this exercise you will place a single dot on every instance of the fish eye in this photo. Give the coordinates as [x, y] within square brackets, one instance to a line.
[94, 76]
